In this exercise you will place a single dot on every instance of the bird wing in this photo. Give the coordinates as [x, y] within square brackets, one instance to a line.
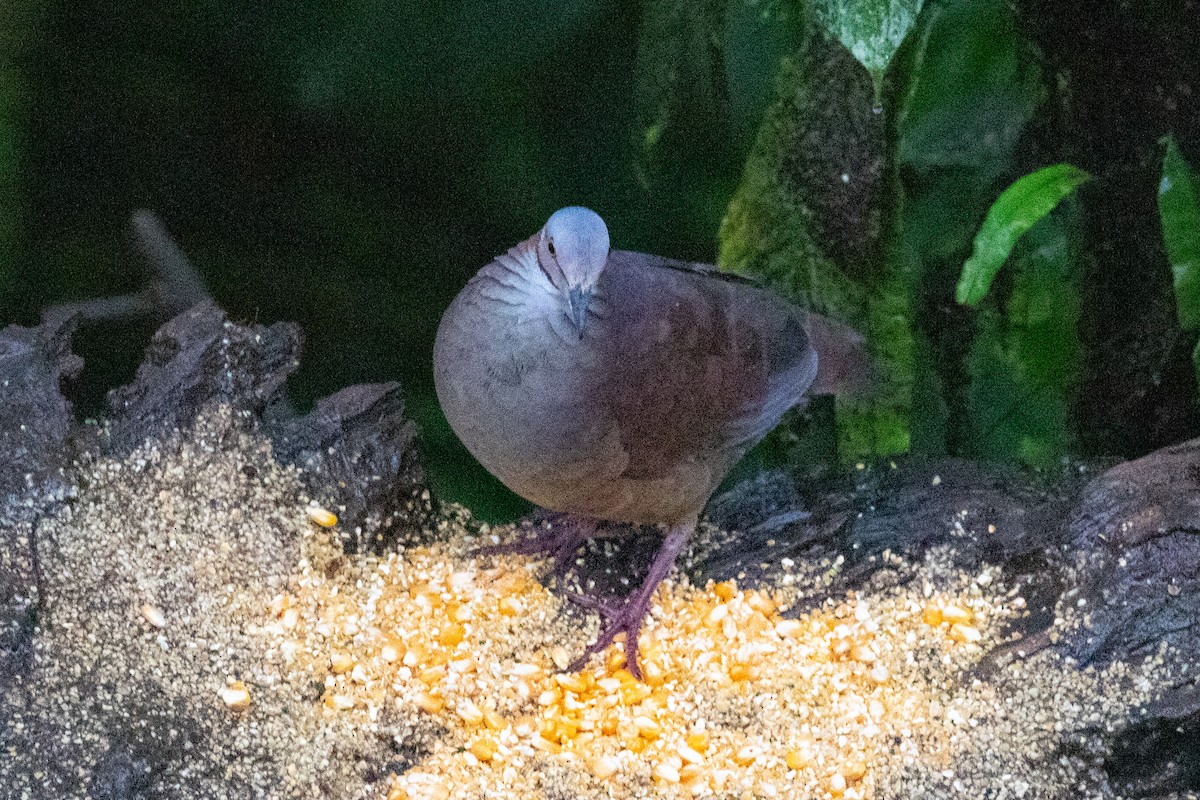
[699, 368]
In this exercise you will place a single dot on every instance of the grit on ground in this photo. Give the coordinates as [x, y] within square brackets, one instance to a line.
[204, 636]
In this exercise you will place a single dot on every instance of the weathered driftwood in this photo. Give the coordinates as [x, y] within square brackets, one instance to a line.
[1124, 546]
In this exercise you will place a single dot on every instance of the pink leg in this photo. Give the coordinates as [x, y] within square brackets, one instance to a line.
[628, 618]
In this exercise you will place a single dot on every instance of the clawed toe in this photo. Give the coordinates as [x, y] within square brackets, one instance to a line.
[561, 541]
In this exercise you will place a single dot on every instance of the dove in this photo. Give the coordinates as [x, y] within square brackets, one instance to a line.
[619, 387]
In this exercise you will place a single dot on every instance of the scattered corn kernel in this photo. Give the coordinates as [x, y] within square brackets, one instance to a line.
[965, 633]
[322, 517]
[647, 727]
[339, 702]
[665, 772]
[236, 696]
[741, 672]
[605, 766]
[469, 712]
[452, 634]
[689, 754]
[797, 758]
[932, 615]
[955, 614]
[483, 749]
[745, 756]
[510, 606]
[340, 661]
[154, 616]
[280, 603]
[430, 703]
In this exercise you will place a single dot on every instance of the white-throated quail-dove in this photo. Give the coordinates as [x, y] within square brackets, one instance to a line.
[622, 387]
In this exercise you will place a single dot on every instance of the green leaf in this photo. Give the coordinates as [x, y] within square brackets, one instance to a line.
[969, 81]
[1020, 206]
[1179, 210]
[870, 29]
[1026, 360]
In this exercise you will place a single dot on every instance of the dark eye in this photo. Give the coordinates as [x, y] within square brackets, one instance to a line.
[550, 246]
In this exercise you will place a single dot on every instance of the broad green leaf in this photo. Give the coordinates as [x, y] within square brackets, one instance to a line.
[969, 82]
[1179, 210]
[1026, 358]
[967, 87]
[871, 30]
[1020, 206]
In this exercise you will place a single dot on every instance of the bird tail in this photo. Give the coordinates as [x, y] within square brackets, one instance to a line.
[845, 366]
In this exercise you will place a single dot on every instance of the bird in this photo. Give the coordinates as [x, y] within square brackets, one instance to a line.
[611, 386]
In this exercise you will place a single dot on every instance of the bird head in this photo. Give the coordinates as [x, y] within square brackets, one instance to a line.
[572, 251]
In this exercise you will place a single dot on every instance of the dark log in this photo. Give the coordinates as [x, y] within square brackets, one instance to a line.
[198, 358]
[358, 451]
[1110, 567]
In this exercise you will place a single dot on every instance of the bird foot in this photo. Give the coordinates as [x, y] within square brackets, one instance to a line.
[560, 541]
[627, 617]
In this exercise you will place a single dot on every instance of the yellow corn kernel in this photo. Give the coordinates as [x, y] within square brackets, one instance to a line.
[510, 606]
[745, 756]
[546, 746]
[576, 682]
[452, 634]
[340, 661]
[431, 675]
[854, 770]
[741, 672]
[605, 766]
[787, 627]
[797, 759]
[932, 615]
[698, 741]
[469, 712]
[647, 727]
[430, 703]
[726, 590]
[609, 685]
[322, 517]
[236, 696]
[280, 603]
[483, 749]
[955, 614]
[689, 754]
[339, 702]
[965, 633]
[761, 603]
[690, 775]
[665, 772]
[609, 725]
[653, 673]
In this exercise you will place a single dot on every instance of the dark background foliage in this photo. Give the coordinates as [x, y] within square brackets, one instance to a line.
[348, 165]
